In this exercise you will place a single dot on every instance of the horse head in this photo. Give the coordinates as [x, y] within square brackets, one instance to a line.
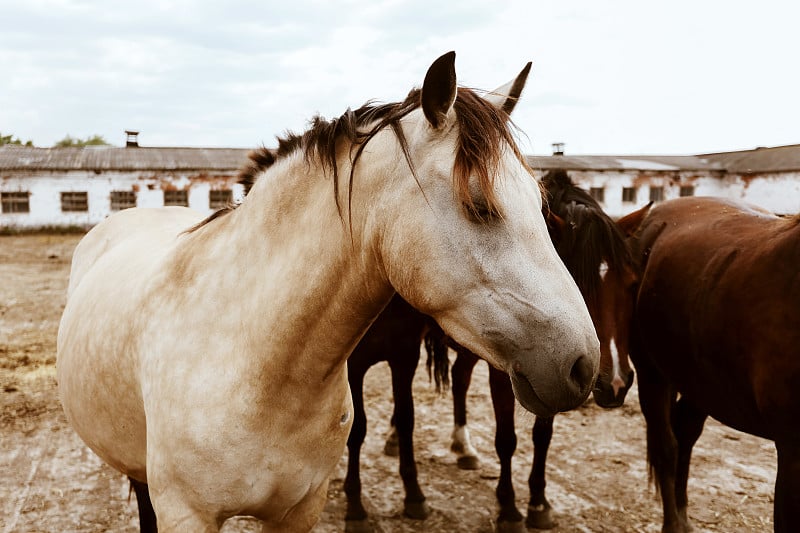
[595, 251]
[461, 243]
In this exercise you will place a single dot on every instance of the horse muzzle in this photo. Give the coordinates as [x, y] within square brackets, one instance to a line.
[545, 394]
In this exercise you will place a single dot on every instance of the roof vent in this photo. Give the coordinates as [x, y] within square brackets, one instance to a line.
[131, 139]
[558, 148]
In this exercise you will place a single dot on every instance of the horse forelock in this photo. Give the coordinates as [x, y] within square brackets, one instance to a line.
[483, 133]
[590, 238]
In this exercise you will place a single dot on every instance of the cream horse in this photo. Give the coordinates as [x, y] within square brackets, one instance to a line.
[207, 357]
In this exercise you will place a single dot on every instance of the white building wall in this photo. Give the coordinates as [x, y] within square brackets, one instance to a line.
[778, 192]
[45, 190]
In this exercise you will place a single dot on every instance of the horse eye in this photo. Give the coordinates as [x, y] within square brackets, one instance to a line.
[479, 211]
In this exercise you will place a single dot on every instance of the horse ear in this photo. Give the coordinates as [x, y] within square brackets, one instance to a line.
[439, 89]
[556, 224]
[630, 222]
[506, 96]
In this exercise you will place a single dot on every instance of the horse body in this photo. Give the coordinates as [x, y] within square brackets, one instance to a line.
[717, 322]
[207, 358]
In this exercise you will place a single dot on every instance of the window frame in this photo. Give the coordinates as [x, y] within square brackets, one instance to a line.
[116, 204]
[74, 201]
[219, 203]
[182, 193]
[11, 200]
[656, 193]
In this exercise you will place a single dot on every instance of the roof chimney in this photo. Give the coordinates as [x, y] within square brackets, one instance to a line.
[132, 139]
[558, 148]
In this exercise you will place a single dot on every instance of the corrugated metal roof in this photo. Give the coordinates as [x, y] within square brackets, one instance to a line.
[773, 159]
[623, 162]
[15, 157]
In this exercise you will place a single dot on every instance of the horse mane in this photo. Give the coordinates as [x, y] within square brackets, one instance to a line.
[589, 237]
[482, 127]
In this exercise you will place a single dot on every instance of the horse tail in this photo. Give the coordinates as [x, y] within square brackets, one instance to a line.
[438, 361]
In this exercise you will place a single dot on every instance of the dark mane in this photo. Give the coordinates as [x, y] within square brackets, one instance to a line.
[483, 130]
[589, 237]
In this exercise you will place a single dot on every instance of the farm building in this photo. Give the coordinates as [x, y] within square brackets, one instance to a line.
[62, 187]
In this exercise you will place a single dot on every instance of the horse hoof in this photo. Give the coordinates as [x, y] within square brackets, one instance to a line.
[417, 510]
[358, 526]
[468, 462]
[507, 526]
[540, 519]
[391, 448]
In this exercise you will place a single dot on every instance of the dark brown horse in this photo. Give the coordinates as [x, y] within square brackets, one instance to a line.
[394, 337]
[717, 333]
[594, 251]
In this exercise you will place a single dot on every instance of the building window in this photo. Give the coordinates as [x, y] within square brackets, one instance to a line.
[629, 194]
[122, 200]
[72, 202]
[687, 190]
[656, 194]
[173, 197]
[598, 193]
[219, 199]
[15, 202]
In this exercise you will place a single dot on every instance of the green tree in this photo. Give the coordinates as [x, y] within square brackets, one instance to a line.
[10, 139]
[94, 140]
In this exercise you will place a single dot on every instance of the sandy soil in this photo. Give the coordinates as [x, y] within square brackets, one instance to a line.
[597, 479]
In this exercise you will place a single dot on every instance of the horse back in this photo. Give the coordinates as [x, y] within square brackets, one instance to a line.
[717, 309]
[153, 226]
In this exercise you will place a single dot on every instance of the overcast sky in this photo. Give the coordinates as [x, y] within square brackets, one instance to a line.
[609, 77]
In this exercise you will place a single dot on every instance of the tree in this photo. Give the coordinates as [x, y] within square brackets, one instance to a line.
[10, 139]
[94, 140]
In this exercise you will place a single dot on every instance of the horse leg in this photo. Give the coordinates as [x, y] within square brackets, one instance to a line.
[687, 424]
[356, 520]
[787, 487]
[147, 516]
[392, 446]
[656, 399]
[403, 369]
[467, 456]
[540, 514]
[505, 443]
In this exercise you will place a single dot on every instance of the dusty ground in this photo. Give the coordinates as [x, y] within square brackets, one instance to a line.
[597, 481]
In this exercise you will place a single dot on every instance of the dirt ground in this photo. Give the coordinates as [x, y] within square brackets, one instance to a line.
[597, 478]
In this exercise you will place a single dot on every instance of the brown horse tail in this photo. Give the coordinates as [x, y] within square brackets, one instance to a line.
[438, 361]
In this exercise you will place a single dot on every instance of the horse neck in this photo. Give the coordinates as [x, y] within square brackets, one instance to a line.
[309, 290]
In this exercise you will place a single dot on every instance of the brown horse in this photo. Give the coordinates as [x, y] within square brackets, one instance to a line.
[717, 333]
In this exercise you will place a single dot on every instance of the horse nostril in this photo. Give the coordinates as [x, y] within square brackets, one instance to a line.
[582, 373]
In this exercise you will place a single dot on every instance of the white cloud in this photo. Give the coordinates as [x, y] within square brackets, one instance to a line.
[612, 77]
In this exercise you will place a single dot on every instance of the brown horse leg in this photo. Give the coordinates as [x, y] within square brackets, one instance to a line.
[687, 424]
[356, 520]
[787, 487]
[656, 399]
[540, 514]
[392, 445]
[505, 443]
[461, 375]
[147, 516]
[403, 369]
